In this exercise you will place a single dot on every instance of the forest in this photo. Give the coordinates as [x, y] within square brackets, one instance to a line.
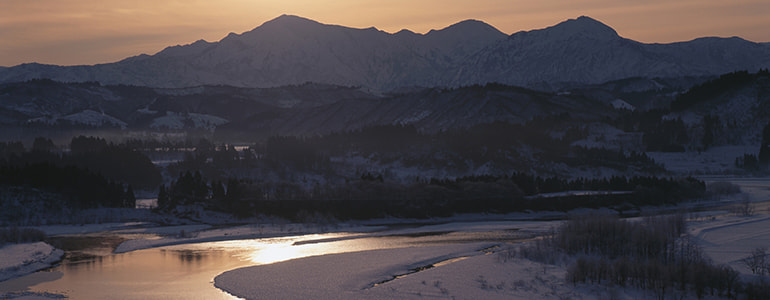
[270, 177]
[372, 197]
[204, 175]
[92, 174]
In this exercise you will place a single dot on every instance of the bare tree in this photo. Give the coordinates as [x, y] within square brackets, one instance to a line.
[756, 261]
[745, 207]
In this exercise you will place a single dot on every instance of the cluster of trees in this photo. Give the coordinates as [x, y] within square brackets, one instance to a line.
[190, 188]
[757, 261]
[80, 188]
[92, 174]
[372, 197]
[9, 149]
[667, 190]
[653, 254]
[761, 161]
[615, 159]
[725, 82]
[115, 162]
[664, 134]
[17, 235]
[497, 143]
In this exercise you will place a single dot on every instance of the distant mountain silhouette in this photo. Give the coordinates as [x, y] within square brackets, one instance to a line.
[292, 50]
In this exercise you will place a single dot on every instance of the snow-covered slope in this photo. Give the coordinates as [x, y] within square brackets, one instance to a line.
[87, 117]
[584, 50]
[174, 120]
[294, 50]
[290, 50]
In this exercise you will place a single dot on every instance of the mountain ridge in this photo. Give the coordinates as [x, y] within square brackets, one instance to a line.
[291, 50]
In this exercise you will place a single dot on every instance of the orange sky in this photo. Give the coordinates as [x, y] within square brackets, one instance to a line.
[70, 32]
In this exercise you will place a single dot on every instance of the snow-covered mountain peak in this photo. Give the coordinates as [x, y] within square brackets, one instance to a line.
[292, 50]
[581, 28]
[290, 27]
[290, 21]
[182, 50]
[467, 27]
[405, 32]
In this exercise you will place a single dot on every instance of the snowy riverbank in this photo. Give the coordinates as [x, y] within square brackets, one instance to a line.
[457, 271]
[461, 271]
[21, 259]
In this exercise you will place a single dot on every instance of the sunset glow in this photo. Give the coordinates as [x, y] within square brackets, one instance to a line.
[70, 32]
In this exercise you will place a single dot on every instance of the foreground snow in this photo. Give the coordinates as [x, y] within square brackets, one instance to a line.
[467, 271]
[463, 271]
[20, 259]
[730, 239]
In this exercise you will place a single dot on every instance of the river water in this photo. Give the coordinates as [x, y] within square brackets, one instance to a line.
[187, 271]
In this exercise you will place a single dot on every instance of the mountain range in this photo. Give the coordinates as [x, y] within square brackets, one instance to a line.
[291, 50]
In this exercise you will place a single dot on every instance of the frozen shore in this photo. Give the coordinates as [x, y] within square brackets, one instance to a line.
[458, 271]
[461, 271]
[21, 259]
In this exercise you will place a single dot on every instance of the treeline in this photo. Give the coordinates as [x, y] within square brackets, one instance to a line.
[614, 159]
[663, 134]
[372, 197]
[80, 188]
[652, 254]
[92, 174]
[670, 190]
[761, 161]
[499, 144]
[16, 235]
[117, 163]
[151, 144]
[706, 90]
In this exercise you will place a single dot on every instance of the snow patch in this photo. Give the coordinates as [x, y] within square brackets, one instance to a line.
[623, 105]
[20, 259]
[174, 120]
[90, 117]
[86, 117]
[335, 276]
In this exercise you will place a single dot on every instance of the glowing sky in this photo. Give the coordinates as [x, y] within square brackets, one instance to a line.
[69, 32]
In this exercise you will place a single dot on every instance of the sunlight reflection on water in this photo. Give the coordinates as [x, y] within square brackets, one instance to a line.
[186, 271]
[271, 250]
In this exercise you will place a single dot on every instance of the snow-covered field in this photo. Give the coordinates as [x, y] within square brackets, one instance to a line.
[717, 160]
[729, 239]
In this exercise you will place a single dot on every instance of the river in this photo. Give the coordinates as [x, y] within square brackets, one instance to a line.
[187, 271]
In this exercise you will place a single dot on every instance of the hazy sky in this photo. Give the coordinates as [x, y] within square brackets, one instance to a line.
[69, 32]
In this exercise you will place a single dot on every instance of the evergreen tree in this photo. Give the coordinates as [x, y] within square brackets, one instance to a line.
[764, 148]
[233, 192]
[11, 148]
[82, 144]
[129, 199]
[43, 144]
[217, 192]
[164, 200]
[711, 126]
